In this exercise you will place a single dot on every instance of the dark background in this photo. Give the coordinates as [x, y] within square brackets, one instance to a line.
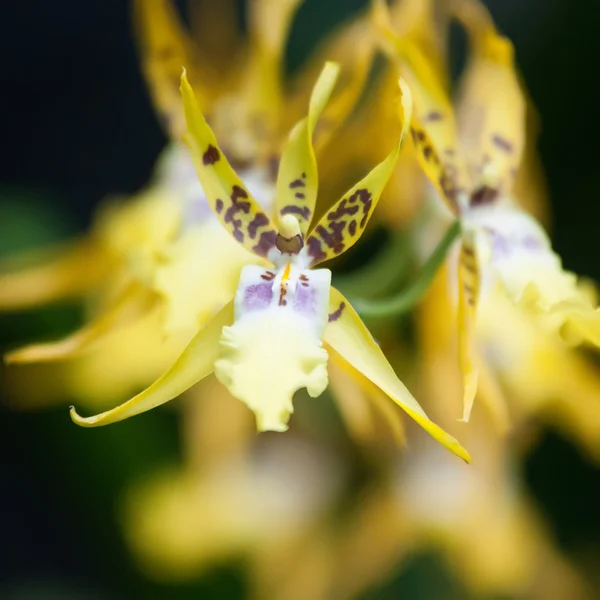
[77, 125]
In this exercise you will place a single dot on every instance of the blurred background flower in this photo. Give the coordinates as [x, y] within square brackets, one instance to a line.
[165, 507]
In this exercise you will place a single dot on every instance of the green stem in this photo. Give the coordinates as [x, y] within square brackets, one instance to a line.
[411, 296]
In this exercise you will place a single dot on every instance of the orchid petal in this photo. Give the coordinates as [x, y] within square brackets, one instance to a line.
[165, 48]
[468, 294]
[132, 303]
[231, 202]
[491, 105]
[67, 273]
[297, 180]
[193, 287]
[433, 128]
[196, 362]
[341, 227]
[348, 335]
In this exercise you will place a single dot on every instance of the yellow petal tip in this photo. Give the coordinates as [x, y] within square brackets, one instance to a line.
[79, 420]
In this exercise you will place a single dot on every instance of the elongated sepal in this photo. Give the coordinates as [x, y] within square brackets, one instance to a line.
[341, 227]
[196, 362]
[348, 336]
[297, 180]
[227, 195]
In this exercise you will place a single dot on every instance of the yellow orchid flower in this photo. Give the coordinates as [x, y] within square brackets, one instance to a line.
[268, 342]
[146, 253]
[472, 160]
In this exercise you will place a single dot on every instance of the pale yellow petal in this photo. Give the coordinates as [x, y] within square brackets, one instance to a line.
[133, 302]
[59, 274]
[198, 274]
[433, 125]
[196, 362]
[348, 335]
[468, 295]
[491, 105]
[165, 48]
[227, 196]
[297, 179]
[341, 227]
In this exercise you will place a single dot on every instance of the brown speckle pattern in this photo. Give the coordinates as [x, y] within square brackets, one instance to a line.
[334, 316]
[211, 156]
[502, 143]
[352, 212]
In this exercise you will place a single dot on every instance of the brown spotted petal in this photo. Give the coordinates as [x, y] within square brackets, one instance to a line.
[341, 227]
[468, 295]
[491, 106]
[229, 199]
[297, 180]
[165, 47]
[433, 127]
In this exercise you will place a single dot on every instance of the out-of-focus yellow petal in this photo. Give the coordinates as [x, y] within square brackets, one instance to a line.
[135, 230]
[342, 226]
[352, 44]
[269, 23]
[297, 179]
[347, 335]
[196, 362]
[166, 48]
[424, 22]
[468, 294]
[491, 107]
[193, 284]
[216, 426]
[237, 210]
[214, 27]
[129, 305]
[433, 128]
[65, 273]
[115, 367]
[359, 401]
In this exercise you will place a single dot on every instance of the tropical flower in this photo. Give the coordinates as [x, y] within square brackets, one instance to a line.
[472, 161]
[142, 262]
[267, 342]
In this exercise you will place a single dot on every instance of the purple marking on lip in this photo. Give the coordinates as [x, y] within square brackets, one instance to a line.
[304, 299]
[258, 296]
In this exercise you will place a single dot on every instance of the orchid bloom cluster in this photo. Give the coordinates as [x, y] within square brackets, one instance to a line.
[221, 261]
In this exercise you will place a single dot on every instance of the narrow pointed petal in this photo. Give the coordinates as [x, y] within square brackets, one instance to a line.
[196, 362]
[69, 273]
[165, 48]
[491, 105]
[227, 196]
[433, 127]
[269, 25]
[348, 336]
[341, 227]
[352, 44]
[297, 180]
[468, 294]
[130, 305]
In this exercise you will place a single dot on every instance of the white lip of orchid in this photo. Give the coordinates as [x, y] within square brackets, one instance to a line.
[274, 346]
